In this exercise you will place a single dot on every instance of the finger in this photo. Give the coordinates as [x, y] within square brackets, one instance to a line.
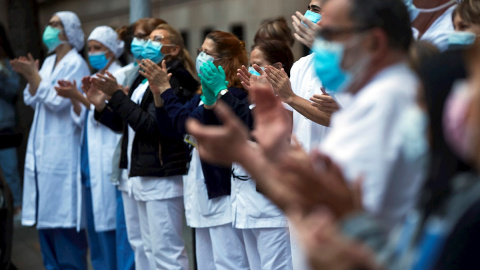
[222, 72]
[37, 64]
[164, 65]
[30, 57]
[258, 69]
[245, 86]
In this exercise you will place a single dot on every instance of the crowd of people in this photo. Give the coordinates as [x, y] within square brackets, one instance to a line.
[363, 154]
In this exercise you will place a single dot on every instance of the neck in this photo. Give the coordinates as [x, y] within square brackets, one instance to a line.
[62, 50]
[361, 80]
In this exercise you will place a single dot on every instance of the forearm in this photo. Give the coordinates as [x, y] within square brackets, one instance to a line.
[34, 81]
[158, 100]
[77, 108]
[305, 108]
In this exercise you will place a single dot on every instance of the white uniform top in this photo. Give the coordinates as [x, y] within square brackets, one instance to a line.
[438, 32]
[201, 212]
[366, 139]
[102, 142]
[250, 209]
[146, 188]
[51, 161]
[305, 83]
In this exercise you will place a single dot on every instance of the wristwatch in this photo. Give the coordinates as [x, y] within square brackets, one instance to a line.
[223, 92]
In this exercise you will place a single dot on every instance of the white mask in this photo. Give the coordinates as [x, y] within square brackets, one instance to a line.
[201, 59]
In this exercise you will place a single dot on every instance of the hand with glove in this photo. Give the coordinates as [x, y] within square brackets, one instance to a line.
[213, 81]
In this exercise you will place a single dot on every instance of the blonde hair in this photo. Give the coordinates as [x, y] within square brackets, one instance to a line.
[176, 38]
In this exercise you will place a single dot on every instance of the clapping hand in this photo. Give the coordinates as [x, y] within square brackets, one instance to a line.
[157, 76]
[106, 83]
[27, 66]
[304, 34]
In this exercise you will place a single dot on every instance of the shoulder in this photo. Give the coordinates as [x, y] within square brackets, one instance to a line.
[302, 63]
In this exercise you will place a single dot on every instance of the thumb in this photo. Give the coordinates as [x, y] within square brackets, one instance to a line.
[75, 83]
[226, 82]
[222, 72]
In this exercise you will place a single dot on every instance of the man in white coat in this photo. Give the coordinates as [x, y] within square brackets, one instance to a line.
[50, 190]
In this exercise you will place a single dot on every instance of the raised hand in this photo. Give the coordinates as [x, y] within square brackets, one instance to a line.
[280, 83]
[244, 76]
[325, 103]
[221, 144]
[319, 181]
[304, 34]
[106, 83]
[67, 89]
[213, 81]
[27, 66]
[325, 246]
[272, 123]
[158, 77]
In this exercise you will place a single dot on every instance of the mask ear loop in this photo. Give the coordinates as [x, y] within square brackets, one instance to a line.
[431, 10]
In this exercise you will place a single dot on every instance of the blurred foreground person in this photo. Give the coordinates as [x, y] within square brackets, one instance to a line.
[51, 162]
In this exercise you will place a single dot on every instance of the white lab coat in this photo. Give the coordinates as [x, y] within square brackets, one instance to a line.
[366, 139]
[250, 209]
[102, 142]
[201, 212]
[51, 162]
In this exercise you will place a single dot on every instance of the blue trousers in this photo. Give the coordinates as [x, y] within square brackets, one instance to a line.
[102, 244]
[63, 249]
[125, 255]
[9, 167]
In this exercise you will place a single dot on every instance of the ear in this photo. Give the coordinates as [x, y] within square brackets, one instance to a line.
[175, 50]
[109, 54]
[377, 44]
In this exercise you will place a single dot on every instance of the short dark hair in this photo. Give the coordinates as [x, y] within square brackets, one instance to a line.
[277, 29]
[390, 15]
[275, 51]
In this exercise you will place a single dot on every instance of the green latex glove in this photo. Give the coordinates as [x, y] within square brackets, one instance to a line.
[208, 96]
[213, 78]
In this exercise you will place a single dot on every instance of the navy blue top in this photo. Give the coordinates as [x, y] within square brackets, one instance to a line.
[217, 178]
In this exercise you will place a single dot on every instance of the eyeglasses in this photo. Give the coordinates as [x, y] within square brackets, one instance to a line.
[143, 37]
[55, 24]
[216, 56]
[328, 33]
[314, 8]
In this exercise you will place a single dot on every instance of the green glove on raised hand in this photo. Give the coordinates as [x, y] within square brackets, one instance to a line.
[208, 97]
[213, 77]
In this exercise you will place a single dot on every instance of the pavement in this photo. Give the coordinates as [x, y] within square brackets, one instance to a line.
[26, 248]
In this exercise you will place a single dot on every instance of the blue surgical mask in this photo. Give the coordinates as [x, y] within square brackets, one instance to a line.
[327, 62]
[152, 51]
[51, 38]
[136, 48]
[461, 39]
[201, 59]
[98, 60]
[312, 16]
[254, 72]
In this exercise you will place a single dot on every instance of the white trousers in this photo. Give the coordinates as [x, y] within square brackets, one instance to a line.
[220, 248]
[268, 248]
[299, 259]
[161, 225]
[132, 222]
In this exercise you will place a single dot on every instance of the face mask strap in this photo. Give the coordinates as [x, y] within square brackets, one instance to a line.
[431, 10]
